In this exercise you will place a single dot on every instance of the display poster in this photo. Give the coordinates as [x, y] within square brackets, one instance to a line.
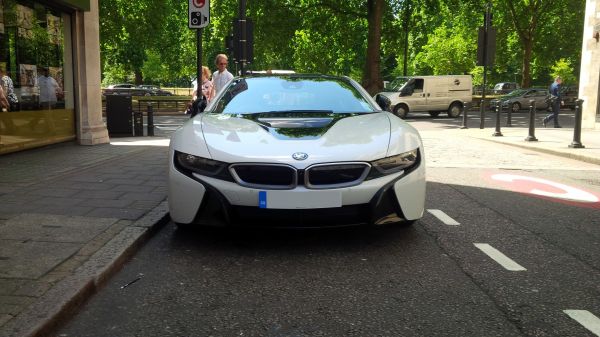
[25, 18]
[54, 29]
[1, 17]
[28, 75]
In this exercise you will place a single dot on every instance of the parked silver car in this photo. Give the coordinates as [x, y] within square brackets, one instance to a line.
[519, 99]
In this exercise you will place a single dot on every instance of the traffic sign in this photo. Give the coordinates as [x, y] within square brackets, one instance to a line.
[199, 11]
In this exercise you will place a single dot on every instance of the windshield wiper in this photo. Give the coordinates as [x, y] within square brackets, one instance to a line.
[301, 111]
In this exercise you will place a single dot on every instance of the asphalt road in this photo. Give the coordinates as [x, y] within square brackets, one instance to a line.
[489, 258]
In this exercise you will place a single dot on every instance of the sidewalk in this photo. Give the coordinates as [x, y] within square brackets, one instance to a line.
[550, 140]
[71, 215]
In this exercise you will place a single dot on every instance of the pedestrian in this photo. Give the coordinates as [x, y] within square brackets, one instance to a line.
[9, 90]
[221, 76]
[49, 89]
[4, 106]
[555, 102]
[207, 86]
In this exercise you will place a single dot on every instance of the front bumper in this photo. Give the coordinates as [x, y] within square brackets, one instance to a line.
[208, 201]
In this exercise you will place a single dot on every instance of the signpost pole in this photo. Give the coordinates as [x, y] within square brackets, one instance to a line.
[486, 27]
[242, 37]
[199, 61]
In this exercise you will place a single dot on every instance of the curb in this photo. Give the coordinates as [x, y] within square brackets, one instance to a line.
[59, 303]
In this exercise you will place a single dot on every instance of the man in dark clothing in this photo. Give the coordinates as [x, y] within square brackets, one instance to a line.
[555, 102]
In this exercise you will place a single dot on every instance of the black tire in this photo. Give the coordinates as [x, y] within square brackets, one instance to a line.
[406, 223]
[434, 113]
[401, 110]
[147, 94]
[455, 110]
[184, 226]
[515, 107]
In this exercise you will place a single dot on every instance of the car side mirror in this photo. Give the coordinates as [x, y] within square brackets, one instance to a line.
[384, 103]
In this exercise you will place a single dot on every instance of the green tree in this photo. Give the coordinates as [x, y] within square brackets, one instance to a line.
[564, 69]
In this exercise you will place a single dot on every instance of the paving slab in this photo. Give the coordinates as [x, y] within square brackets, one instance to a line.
[31, 259]
[64, 228]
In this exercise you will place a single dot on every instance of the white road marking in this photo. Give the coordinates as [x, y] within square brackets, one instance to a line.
[497, 256]
[443, 217]
[585, 318]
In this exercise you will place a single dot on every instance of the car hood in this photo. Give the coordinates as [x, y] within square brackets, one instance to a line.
[229, 138]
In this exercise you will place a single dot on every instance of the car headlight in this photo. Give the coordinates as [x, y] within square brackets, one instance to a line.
[200, 165]
[393, 164]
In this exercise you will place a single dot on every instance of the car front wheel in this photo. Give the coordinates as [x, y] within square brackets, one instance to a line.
[515, 107]
[401, 110]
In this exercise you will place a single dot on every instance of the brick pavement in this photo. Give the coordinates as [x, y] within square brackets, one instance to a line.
[69, 215]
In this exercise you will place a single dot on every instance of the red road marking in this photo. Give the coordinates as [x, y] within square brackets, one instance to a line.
[547, 189]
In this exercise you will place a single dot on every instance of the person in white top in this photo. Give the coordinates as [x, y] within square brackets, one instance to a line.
[49, 88]
[221, 76]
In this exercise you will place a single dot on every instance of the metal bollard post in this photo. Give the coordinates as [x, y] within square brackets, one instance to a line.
[150, 120]
[509, 116]
[497, 132]
[576, 143]
[466, 106]
[482, 113]
[531, 136]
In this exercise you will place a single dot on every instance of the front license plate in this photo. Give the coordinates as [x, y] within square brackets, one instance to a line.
[300, 199]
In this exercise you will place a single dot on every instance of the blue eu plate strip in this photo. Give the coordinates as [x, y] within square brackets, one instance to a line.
[262, 199]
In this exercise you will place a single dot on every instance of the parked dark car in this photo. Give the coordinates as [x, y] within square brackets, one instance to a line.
[569, 95]
[156, 90]
[505, 88]
[127, 89]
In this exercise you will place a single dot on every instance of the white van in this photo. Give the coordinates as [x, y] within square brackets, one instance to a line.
[432, 94]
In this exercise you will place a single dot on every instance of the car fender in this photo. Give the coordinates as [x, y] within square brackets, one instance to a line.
[190, 139]
[403, 137]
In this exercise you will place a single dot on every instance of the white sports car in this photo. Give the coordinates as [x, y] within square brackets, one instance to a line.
[296, 151]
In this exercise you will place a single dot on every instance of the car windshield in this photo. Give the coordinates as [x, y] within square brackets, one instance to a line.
[518, 92]
[291, 94]
[397, 84]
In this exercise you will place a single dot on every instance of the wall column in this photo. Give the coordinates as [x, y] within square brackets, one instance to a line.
[91, 130]
[589, 78]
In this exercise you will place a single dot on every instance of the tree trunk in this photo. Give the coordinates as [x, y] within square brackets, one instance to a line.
[138, 77]
[527, 52]
[372, 81]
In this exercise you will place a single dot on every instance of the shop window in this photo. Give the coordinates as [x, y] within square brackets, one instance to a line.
[36, 75]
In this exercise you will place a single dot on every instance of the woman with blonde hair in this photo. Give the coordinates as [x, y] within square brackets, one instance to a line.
[207, 86]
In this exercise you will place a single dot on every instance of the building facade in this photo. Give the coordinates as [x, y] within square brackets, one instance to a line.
[589, 78]
[50, 74]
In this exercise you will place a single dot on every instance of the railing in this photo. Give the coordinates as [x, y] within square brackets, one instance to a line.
[161, 105]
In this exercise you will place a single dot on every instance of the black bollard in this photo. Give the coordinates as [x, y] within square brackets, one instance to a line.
[497, 132]
[466, 106]
[509, 116]
[482, 113]
[531, 136]
[576, 143]
[150, 120]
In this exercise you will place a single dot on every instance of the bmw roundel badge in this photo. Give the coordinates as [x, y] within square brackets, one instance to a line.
[300, 156]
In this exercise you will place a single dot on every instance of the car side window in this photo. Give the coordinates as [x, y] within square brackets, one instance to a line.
[419, 82]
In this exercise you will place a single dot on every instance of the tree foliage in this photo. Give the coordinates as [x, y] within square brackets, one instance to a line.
[149, 41]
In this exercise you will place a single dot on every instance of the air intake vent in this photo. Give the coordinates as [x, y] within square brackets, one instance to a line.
[336, 175]
[264, 176]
